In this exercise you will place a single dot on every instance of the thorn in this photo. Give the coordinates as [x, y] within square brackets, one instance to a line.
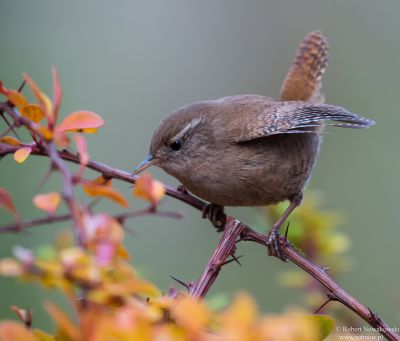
[10, 126]
[21, 86]
[182, 189]
[373, 317]
[129, 230]
[287, 231]
[180, 282]
[324, 268]
[93, 204]
[332, 296]
[45, 179]
[323, 305]
[233, 259]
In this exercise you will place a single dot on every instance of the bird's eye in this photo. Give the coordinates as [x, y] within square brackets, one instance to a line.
[176, 145]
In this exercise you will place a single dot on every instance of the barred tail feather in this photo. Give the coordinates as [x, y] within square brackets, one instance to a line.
[309, 116]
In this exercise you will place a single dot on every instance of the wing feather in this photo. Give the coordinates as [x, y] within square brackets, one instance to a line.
[296, 117]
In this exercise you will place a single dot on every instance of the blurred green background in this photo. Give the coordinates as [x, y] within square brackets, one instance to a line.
[133, 62]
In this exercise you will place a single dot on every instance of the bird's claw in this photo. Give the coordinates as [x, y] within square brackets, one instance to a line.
[215, 213]
[274, 244]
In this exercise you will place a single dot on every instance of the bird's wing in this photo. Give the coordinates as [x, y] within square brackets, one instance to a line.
[304, 78]
[292, 117]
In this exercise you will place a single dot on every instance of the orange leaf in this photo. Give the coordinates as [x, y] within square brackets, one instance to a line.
[57, 92]
[46, 133]
[32, 112]
[6, 201]
[95, 188]
[11, 140]
[81, 121]
[17, 99]
[191, 314]
[21, 154]
[11, 330]
[42, 99]
[100, 181]
[147, 188]
[62, 321]
[48, 202]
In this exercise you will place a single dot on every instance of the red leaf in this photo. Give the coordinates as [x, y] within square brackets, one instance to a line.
[3, 89]
[82, 149]
[81, 121]
[83, 153]
[6, 201]
[57, 93]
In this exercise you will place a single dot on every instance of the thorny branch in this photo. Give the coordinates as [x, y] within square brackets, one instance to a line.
[234, 230]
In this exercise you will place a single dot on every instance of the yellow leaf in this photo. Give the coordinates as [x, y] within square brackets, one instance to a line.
[42, 336]
[81, 121]
[11, 140]
[289, 326]
[147, 188]
[32, 112]
[13, 331]
[22, 154]
[42, 99]
[17, 98]
[48, 202]
[241, 315]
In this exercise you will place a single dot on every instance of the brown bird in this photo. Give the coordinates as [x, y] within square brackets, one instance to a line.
[250, 150]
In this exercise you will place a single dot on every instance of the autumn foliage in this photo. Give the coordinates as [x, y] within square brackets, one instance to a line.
[93, 268]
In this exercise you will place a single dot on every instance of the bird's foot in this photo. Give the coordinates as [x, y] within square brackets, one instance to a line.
[215, 213]
[274, 244]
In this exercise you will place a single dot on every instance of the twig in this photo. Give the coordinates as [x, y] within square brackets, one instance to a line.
[21, 226]
[336, 293]
[226, 246]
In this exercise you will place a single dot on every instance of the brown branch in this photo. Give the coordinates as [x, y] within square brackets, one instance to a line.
[21, 226]
[335, 292]
[226, 246]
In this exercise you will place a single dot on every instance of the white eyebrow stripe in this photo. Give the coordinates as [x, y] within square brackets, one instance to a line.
[192, 124]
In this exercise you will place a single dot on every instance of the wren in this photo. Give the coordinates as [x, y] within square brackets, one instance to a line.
[251, 150]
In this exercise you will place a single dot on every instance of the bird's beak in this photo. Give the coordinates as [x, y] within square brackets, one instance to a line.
[149, 161]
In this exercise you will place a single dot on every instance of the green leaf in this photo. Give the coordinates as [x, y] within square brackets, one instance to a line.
[324, 323]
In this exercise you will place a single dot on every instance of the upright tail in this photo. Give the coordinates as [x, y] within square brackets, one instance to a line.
[303, 81]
